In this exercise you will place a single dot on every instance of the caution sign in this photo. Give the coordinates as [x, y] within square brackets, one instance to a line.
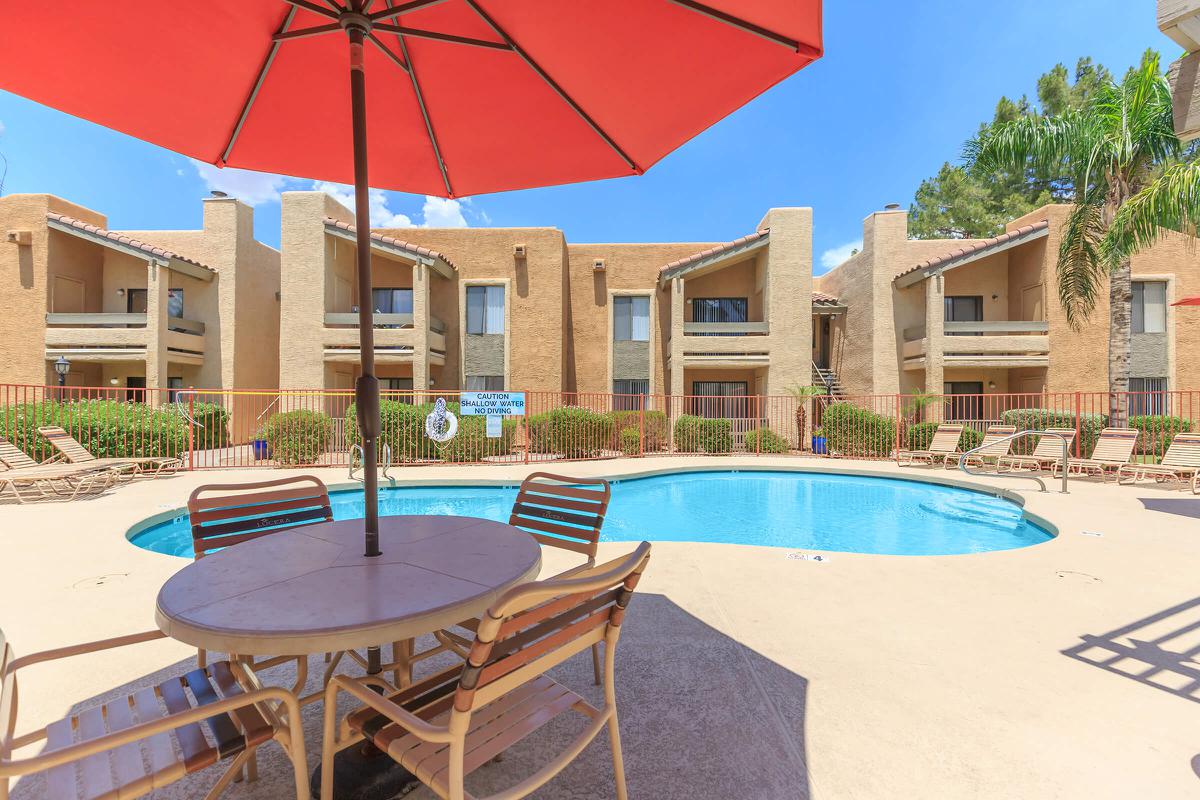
[491, 404]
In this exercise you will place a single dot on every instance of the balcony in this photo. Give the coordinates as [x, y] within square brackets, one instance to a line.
[1014, 343]
[726, 328]
[120, 337]
[395, 337]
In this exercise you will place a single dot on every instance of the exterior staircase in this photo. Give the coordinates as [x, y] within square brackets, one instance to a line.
[829, 379]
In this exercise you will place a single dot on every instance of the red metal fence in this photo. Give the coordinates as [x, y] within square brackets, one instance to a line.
[233, 428]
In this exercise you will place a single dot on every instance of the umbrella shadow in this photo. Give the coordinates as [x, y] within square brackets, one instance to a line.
[1182, 507]
[701, 715]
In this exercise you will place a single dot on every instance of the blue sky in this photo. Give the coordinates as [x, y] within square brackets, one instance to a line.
[900, 88]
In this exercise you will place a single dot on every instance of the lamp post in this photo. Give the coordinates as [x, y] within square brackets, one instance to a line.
[62, 367]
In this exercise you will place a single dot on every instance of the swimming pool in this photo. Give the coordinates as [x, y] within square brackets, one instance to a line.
[798, 510]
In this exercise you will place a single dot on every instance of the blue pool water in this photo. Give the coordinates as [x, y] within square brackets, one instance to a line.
[810, 511]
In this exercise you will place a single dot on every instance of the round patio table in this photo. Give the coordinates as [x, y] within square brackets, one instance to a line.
[310, 589]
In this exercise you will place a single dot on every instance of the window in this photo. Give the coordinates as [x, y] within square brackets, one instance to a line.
[173, 387]
[964, 400]
[721, 399]
[719, 309]
[1149, 306]
[630, 395]
[963, 309]
[392, 301]
[175, 303]
[485, 383]
[1148, 396]
[631, 319]
[485, 309]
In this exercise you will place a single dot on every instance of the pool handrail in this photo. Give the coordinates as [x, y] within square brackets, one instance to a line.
[385, 451]
[962, 459]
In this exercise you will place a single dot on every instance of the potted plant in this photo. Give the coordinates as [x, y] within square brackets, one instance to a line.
[801, 395]
[819, 445]
[259, 446]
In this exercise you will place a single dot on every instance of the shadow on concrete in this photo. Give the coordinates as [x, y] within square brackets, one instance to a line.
[1158, 650]
[701, 716]
[1180, 506]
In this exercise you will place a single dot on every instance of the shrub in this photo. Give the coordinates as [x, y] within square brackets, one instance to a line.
[687, 434]
[765, 440]
[1039, 419]
[629, 441]
[1157, 431]
[213, 428]
[853, 431]
[571, 431]
[403, 429]
[921, 436]
[716, 436]
[107, 428]
[654, 427]
[298, 437]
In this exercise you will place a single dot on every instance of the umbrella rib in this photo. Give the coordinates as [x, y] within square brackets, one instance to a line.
[433, 140]
[749, 27]
[399, 62]
[262, 76]
[418, 33]
[313, 7]
[395, 11]
[562, 93]
[303, 33]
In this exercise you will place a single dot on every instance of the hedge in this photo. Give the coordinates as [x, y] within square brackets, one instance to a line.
[654, 427]
[404, 431]
[571, 431]
[629, 442]
[687, 434]
[107, 428]
[213, 428]
[853, 431]
[716, 436]
[1157, 431]
[1039, 419]
[920, 436]
[298, 437]
[765, 440]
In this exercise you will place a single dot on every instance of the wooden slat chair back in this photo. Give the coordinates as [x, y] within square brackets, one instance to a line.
[133, 744]
[446, 726]
[561, 511]
[1115, 445]
[1184, 451]
[14, 457]
[66, 444]
[230, 513]
[945, 438]
[1050, 448]
[992, 445]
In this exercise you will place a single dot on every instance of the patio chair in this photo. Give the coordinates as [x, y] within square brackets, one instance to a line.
[29, 480]
[1113, 450]
[558, 511]
[1181, 462]
[944, 443]
[227, 514]
[1045, 455]
[450, 724]
[134, 744]
[995, 445]
[70, 449]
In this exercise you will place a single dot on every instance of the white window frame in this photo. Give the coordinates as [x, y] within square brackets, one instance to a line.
[1138, 307]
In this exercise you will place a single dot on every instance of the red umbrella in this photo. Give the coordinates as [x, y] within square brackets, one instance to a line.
[1187, 301]
[466, 96]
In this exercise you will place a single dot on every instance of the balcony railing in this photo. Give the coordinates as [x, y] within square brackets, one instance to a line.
[989, 328]
[726, 328]
[350, 320]
[997, 343]
[120, 320]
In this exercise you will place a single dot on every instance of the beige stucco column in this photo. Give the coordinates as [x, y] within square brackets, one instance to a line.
[788, 298]
[678, 310]
[420, 367]
[158, 280]
[935, 314]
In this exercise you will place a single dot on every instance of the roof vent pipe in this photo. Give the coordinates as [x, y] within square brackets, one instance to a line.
[892, 207]
[218, 194]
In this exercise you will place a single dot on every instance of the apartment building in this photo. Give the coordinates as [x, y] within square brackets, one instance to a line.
[136, 309]
[521, 308]
[983, 316]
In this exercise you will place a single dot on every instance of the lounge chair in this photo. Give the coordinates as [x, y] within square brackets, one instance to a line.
[448, 725]
[132, 745]
[1049, 451]
[995, 445]
[70, 449]
[29, 480]
[1113, 450]
[1181, 462]
[560, 511]
[944, 443]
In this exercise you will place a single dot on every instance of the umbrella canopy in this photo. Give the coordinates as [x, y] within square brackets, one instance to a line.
[1187, 301]
[466, 96]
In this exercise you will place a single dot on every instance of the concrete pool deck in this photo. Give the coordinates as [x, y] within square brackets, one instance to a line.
[745, 673]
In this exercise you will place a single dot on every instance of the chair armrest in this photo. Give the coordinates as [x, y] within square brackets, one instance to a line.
[406, 719]
[83, 649]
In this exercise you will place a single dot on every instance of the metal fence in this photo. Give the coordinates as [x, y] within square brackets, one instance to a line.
[235, 428]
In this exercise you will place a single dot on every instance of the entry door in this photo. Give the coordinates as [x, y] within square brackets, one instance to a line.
[135, 389]
[964, 399]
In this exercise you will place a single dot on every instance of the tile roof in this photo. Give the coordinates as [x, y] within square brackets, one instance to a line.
[120, 238]
[712, 251]
[822, 299]
[392, 242]
[977, 248]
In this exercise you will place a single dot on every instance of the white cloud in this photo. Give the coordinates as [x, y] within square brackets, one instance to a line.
[832, 257]
[381, 215]
[1, 128]
[441, 212]
[250, 187]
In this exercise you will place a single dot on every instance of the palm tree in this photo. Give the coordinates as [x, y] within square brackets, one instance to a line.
[1100, 156]
[802, 395]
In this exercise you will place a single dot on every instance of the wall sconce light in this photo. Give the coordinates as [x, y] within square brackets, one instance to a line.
[431, 381]
[995, 297]
[991, 384]
[120, 292]
[113, 381]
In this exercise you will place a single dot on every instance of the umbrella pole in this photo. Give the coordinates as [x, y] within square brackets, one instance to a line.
[366, 388]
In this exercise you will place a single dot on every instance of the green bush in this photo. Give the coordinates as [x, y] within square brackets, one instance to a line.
[107, 428]
[920, 436]
[765, 440]
[571, 431]
[403, 429]
[298, 437]
[655, 427]
[629, 441]
[1039, 419]
[213, 428]
[716, 436]
[687, 434]
[853, 431]
[1157, 431]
